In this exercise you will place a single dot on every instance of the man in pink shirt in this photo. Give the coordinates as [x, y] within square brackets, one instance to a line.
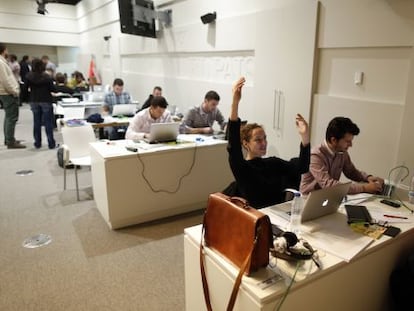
[139, 126]
[330, 159]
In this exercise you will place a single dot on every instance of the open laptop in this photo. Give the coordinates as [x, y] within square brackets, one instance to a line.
[163, 132]
[124, 110]
[318, 203]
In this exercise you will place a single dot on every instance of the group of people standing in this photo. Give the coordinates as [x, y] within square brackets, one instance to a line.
[29, 82]
[33, 82]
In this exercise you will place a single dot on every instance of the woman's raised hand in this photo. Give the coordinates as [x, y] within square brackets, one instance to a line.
[237, 92]
[303, 129]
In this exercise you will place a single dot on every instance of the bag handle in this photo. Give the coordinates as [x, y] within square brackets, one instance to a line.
[237, 282]
[239, 202]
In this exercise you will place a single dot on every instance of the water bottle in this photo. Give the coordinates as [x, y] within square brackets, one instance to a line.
[296, 212]
[411, 191]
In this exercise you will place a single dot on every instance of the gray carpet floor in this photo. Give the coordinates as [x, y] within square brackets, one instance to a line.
[86, 266]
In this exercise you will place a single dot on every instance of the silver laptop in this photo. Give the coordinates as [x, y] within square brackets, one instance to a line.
[125, 110]
[318, 203]
[163, 132]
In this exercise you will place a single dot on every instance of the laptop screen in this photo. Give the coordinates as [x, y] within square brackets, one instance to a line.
[324, 201]
[126, 110]
[163, 132]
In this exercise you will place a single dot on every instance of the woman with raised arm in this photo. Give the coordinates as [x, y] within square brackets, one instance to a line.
[261, 180]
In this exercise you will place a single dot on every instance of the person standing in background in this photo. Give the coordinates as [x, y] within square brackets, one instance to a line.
[24, 68]
[41, 87]
[51, 67]
[15, 67]
[9, 96]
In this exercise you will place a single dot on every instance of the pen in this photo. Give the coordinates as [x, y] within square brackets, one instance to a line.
[393, 216]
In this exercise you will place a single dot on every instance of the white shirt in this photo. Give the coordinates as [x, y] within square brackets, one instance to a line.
[141, 123]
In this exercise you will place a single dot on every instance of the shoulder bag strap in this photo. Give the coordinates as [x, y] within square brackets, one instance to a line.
[203, 273]
[237, 282]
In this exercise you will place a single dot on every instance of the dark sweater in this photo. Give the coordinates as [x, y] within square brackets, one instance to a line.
[261, 181]
[39, 87]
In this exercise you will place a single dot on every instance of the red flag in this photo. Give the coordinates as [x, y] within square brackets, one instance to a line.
[93, 74]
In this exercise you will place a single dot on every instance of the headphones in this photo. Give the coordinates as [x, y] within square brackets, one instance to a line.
[286, 245]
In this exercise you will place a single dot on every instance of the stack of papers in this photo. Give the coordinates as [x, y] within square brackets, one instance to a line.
[333, 235]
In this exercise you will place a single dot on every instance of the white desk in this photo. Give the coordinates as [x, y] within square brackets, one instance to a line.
[124, 197]
[79, 110]
[361, 284]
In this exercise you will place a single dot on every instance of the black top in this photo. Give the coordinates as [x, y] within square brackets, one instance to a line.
[64, 89]
[39, 86]
[261, 181]
[24, 70]
[147, 103]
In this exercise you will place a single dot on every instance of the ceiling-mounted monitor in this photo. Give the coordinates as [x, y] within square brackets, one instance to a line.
[137, 17]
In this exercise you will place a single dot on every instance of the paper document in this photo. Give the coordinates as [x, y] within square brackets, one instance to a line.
[357, 198]
[334, 236]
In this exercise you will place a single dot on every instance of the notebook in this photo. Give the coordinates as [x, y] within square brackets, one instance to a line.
[318, 203]
[163, 132]
[126, 110]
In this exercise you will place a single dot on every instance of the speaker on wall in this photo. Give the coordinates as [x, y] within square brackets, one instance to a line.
[208, 18]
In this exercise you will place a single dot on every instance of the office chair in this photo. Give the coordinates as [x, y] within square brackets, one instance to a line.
[76, 141]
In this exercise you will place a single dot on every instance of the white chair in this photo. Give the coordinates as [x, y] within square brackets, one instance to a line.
[76, 141]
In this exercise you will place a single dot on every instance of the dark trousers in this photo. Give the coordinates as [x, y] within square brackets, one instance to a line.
[11, 115]
[43, 114]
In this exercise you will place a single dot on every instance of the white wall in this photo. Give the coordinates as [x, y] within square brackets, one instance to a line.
[20, 23]
[375, 37]
[54, 34]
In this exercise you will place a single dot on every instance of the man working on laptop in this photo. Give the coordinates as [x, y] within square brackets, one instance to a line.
[116, 97]
[140, 125]
[199, 120]
[331, 159]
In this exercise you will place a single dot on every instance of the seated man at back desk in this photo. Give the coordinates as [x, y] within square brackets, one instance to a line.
[116, 97]
[199, 120]
[157, 91]
[61, 86]
[330, 159]
[140, 125]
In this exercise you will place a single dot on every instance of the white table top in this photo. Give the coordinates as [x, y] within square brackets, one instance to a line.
[116, 148]
[307, 271]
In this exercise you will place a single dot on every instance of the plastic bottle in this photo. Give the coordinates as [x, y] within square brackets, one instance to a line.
[296, 212]
[411, 191]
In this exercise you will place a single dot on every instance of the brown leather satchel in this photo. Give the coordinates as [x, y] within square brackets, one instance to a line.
[240, 233]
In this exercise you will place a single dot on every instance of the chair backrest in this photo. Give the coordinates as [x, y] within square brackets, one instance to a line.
[77, 138]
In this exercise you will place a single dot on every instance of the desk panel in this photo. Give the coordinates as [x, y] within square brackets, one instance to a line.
[361, 284]
[131, 188]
